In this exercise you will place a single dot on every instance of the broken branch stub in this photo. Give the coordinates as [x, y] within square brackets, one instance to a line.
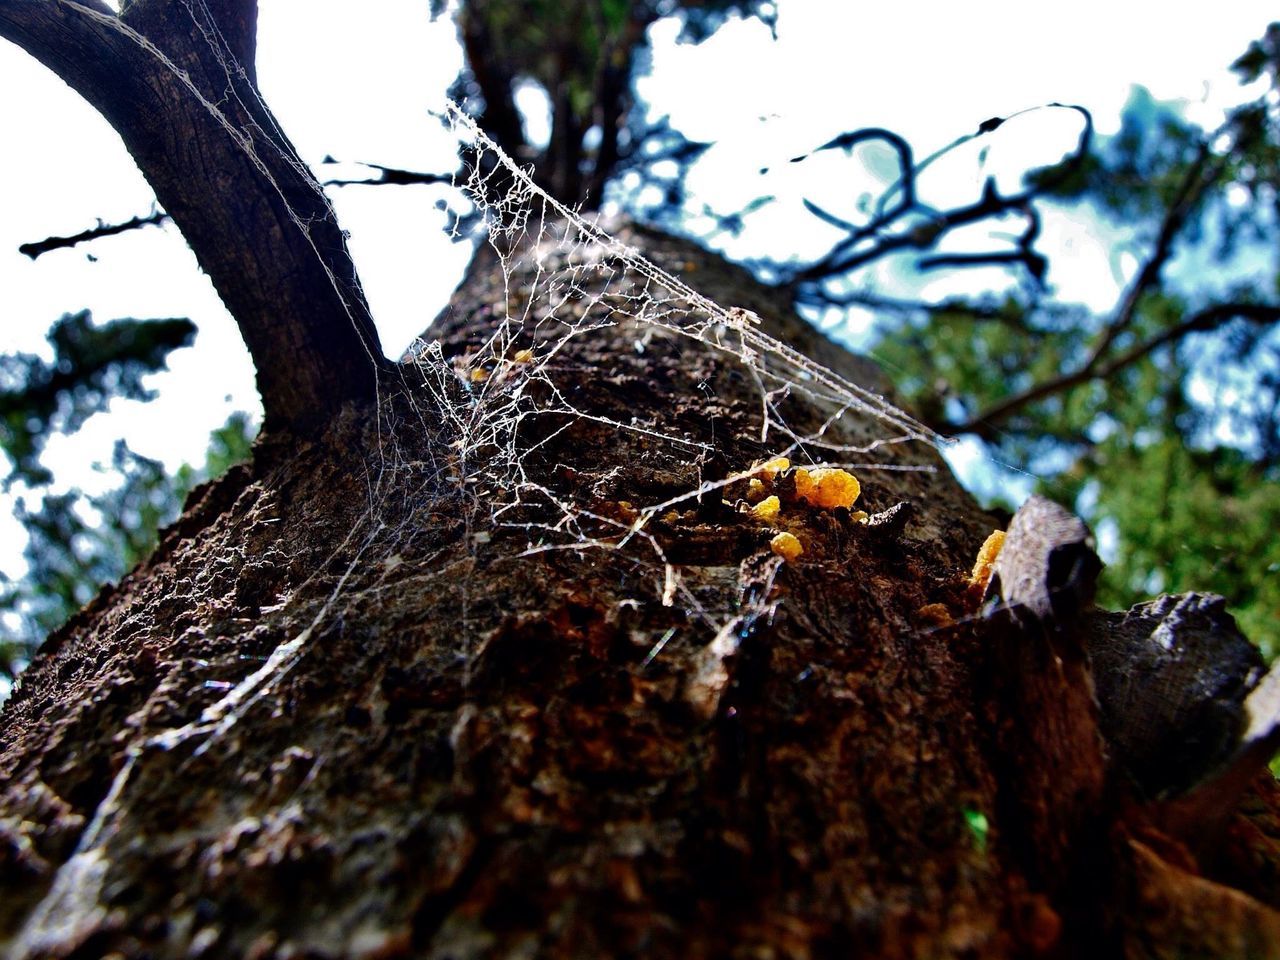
[1172, 676]
[1047, 567]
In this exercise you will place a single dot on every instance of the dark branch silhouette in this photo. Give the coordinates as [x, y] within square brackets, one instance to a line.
[387, 176]
[889, 230]
[1208, 319]
[49, 244]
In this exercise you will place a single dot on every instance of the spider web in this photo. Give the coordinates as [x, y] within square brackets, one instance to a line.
[584, 281]
[565, 278]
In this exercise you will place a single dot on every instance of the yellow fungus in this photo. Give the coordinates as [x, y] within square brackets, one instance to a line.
[671, 517]
[771, 468]
[767, 509]
[627, 510]
[786, 546]
[836, 488]
[828, 487]
[804, 483]
[755, 490]
[479, 375]
[523, 356]
[983, 566]
[861, 516]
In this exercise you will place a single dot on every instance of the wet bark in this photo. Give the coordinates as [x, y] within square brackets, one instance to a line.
[476, 751]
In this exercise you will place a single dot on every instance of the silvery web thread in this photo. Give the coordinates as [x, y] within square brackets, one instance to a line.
[240, 696]
[571, 257]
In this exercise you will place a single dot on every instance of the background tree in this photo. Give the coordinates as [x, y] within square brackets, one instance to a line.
[501, 649]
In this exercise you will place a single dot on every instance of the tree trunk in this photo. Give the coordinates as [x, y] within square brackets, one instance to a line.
[527, 658]
[345, 710]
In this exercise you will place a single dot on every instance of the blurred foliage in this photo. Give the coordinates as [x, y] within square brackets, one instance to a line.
[91, 365]
[78, 541]
[1160, 420]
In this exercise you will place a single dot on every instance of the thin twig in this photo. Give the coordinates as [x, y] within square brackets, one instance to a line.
[1203, 320]
[40, 247]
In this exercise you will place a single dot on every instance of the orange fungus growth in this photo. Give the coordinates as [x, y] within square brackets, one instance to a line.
[771, 468]
[767, 509]
[786, 546]
[828, 487]
[983, 566]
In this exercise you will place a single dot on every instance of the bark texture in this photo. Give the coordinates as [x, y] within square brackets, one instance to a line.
[482, 753]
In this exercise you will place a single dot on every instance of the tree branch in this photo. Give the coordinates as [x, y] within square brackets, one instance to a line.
[48, 244]
[1193, 185]
[846, 256]
[1204, 320]
[388, 176]
[501, 118]
[235, 23]
[1199, 176]
[257, 221]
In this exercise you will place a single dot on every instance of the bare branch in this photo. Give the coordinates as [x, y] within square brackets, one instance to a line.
[387, 176]
[1199, 177]
[165, 77]
[1024, 253]
[1194, 183]
[40, 247]
[853, 251]
[1208, 319]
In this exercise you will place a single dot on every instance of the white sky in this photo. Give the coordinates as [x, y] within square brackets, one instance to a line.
[359, 86]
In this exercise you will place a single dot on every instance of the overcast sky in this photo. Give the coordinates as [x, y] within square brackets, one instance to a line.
[358, 81]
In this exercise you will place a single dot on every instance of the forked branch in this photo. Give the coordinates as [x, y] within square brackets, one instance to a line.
[171, 79]
[901, 221]
[1100, 364]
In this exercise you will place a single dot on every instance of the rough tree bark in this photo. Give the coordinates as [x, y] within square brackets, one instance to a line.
[461, 750]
